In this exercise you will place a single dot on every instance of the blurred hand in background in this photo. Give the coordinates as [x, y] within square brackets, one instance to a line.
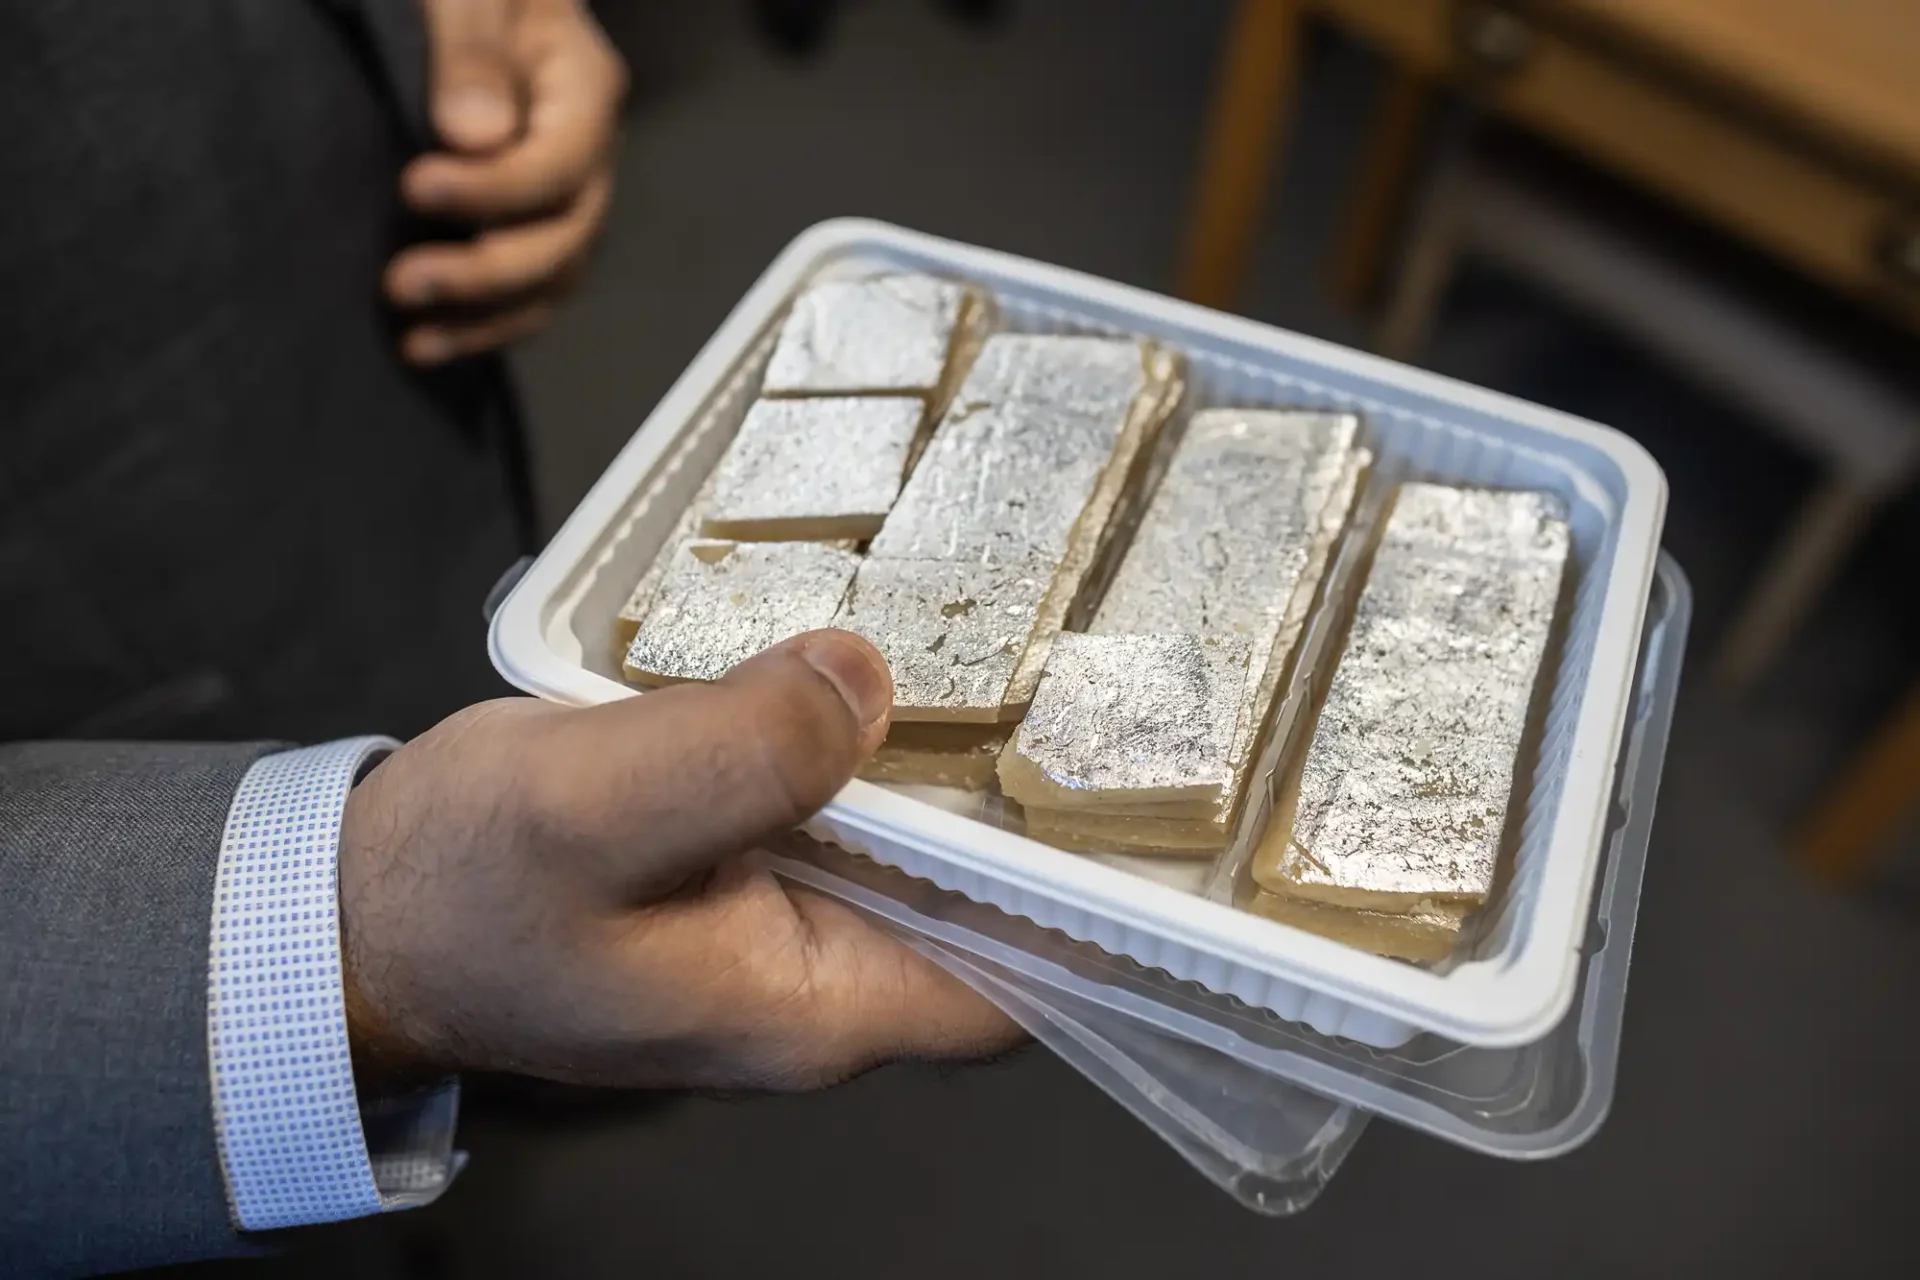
[525, 96]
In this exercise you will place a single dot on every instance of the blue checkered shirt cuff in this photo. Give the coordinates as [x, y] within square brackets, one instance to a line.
[297, 1144]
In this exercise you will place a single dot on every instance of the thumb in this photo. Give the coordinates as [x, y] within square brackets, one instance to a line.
[684, 776]
[475, 97]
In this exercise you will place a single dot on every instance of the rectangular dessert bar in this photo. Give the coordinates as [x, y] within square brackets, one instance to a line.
[1092, 541]
[1404, 793]
[825, 467]
[1139, 719]
[904, 334]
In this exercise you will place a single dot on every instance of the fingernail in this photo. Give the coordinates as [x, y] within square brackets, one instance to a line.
[478, 114]
[856, 669]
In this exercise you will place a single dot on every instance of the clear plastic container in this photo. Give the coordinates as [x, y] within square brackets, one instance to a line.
[1227, 1086]
[1271, 1145]
[1265, 1108]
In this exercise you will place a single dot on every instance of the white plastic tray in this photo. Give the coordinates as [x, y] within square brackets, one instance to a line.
[552, 636]
[1221, 1082]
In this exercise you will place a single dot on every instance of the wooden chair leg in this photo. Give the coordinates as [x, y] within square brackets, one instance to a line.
[1796, 571]
[1861, 813]
[1426, 268]
[1380, 191]
[1253, 93]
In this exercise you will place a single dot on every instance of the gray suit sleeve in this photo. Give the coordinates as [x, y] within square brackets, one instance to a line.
[107, 861]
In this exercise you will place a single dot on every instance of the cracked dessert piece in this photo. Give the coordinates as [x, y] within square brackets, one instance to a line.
[1231, 549]
[1026, 471]
[951, 633]
[719, 603]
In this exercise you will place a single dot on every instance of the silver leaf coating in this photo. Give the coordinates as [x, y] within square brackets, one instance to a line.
[1231, 546]
[883, 334]
[951, 633]
[1018, 453]
[828, 466]
[719, 603]
[1141, 717]
[1404, 792]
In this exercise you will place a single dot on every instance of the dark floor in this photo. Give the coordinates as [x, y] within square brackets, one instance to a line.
[1762, 1126]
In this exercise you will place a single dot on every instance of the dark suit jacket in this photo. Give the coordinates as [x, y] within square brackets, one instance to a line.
[226, 511]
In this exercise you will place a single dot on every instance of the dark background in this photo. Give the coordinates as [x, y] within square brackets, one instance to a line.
[1764, 1123]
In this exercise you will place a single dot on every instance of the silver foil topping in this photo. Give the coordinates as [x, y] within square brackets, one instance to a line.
[821, 467]
[1231, 545]
[719, 603]
[1405, 788]
[1225, 538]
[951, 632]
[1102, 522]
[1254, 502]
[1180, 828]
[884, 334]
[686, 528]
[1133, 717]
[1018, 452]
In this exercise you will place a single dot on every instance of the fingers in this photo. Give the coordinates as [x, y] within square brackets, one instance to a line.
[526, 94]
[651, 790]
[777, 987]
[511, 260]
[535, 262]
[855, 669]
[575, 82]
[442, 340]
[872, 999]
[476, 96]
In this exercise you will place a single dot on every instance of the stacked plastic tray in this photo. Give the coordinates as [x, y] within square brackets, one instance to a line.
[1255, 1049]
[1267, 1108]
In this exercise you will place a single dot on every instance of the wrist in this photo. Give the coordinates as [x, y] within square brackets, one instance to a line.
[384, 1062]
[385, 1058]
